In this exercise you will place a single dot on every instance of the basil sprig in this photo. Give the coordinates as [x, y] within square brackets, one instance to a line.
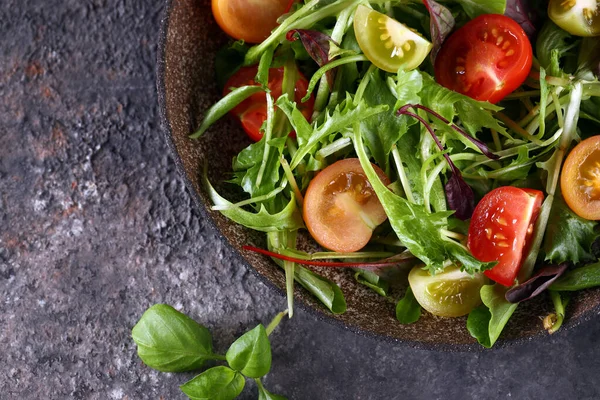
[170, 341]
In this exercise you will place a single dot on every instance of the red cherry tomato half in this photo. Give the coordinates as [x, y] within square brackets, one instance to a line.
[501, 227]
[486, 59]
[252, 112]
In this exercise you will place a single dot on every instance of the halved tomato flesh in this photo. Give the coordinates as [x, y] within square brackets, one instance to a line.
[387, 43]
[580, 179]
[501, 227]
[578, 17]
[341, 208]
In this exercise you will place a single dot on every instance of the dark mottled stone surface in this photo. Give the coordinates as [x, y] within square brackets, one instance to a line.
[95, 226]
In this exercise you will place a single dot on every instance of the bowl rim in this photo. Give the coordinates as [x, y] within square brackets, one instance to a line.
[320, 315]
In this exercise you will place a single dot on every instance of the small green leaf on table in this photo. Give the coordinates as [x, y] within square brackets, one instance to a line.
[170, 341]
[250, 354]
[217, 383]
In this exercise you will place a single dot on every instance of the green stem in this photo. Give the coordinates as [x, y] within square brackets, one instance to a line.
[553, 322]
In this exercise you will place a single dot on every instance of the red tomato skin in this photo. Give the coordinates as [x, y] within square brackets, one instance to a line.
[500, 229]
[486, 59]
[252, 112]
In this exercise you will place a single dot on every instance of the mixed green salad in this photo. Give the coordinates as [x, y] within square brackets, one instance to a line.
[424, 134]
[458, 139]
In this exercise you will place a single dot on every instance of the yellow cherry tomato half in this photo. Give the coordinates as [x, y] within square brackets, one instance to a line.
[451, 293]
[580, 179]
[387, 43]
[249, 20]
[341, 209]
[578, 17]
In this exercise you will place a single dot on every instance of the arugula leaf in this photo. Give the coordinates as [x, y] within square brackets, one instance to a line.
[580, 278]
[264, 394]
[288, 218]
[485, 323]
[417, 229]
[568, 236]
[343, 116]
[170, 341]
[408, 309]
[250, 354]
[217, 383]
[475, 8]
[381, 131]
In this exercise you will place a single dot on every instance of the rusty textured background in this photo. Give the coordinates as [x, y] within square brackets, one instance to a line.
[95, 226]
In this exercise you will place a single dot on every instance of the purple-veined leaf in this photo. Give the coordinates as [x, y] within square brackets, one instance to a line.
[459, 194]
[522, 12]
[317, 45]
[441, 23]
[536, 284]
[480, 145]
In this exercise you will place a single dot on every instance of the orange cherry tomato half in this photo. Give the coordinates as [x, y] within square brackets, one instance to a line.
[252, 112]
[249, 20]
[501, 227]
[341, 209]
[580, 179]
[486, 59]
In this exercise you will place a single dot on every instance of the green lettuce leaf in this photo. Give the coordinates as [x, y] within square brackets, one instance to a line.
[474, 8]
[417, 229]
[568, 236]
[485, 323]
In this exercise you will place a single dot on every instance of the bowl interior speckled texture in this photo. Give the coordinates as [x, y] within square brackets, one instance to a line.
[186, 85]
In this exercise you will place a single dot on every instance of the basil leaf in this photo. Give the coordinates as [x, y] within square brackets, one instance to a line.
[223, 106]
[250, 354]
[322, 288]
[486, 323]
[568, 237]
[580, 278]
[217, 383]
[475, 8]
[408, 309]
[170, 341]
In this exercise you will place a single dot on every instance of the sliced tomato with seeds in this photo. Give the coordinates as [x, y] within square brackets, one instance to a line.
[341, 209]
[487, 59]
[501, 228]
[580, 179]
[252, 112]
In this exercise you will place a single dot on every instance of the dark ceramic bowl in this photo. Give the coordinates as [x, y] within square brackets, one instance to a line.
[187, 88]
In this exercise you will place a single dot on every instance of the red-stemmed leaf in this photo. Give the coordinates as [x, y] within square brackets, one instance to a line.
[522, 12]
[317, 45]
[374, 265]
[289, 6]
[536, 284]
[441, 23]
